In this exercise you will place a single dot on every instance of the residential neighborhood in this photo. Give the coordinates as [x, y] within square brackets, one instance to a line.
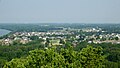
[55, 37]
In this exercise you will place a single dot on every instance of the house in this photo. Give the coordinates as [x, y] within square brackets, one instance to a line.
[55, 42]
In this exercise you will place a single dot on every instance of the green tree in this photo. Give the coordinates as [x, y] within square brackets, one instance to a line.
[34, 37]
[62, 41]
[2, 62]
[16, 63]
[109, 64]
[45, 58]
[71, 58]
[63, 58]
[116, 38]
[91, 57]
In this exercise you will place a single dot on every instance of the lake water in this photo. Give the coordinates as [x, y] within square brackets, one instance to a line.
[4, 32]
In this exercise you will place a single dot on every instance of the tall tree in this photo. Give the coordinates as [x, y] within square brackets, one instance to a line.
[91, 57]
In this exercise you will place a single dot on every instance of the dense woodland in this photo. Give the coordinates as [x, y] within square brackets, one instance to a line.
[60, 57]
[16, 54]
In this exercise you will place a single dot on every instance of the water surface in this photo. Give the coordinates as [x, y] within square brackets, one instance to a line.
[4, 32]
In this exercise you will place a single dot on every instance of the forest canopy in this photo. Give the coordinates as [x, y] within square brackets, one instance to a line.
[88, 57]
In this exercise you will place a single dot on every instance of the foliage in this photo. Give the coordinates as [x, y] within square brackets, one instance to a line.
[64, 58]
[111, 64]
[7, 53]
[91, 57]
[34, 37]
[16, 63]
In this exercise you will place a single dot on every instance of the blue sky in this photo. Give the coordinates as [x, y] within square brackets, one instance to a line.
[60, 11]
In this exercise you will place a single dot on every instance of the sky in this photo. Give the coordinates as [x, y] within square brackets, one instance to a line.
[59, 11]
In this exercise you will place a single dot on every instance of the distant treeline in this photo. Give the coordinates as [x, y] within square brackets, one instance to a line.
[110, 28]
[28, 27]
